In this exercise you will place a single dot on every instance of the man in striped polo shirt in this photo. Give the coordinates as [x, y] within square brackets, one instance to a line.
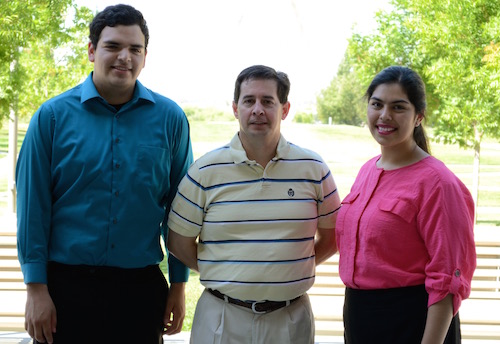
[254, 218]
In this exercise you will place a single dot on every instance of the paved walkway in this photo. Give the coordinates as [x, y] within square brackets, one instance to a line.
[181, 338]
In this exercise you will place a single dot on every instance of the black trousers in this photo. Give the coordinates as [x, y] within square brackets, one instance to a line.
[395, 316]
[107, 305]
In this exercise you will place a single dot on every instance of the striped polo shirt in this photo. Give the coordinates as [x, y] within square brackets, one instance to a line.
[256, 225]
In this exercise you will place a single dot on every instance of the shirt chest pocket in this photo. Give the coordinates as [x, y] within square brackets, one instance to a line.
[153, 166]
[402, 209]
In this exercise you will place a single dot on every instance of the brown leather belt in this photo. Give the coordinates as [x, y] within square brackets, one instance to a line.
[258, 307]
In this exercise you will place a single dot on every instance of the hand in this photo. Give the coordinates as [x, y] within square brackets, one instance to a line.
[40, 316]
[439, 316]
[175, 311]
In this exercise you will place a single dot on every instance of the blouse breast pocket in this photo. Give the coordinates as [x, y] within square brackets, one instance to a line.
[349, 199]
[402, 209]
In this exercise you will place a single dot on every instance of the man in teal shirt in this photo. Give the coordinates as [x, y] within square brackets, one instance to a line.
[96, 174]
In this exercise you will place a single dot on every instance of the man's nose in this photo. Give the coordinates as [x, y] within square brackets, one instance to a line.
[124, 55]
[258, 109]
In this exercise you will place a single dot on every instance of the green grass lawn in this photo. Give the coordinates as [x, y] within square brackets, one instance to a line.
[345, 149]
[4, 137]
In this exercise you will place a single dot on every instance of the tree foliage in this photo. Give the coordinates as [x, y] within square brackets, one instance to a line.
[303, 117]
[40, 55]
[455, 47]
[342, 100]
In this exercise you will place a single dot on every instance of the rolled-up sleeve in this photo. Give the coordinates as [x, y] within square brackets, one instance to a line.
[446, 224]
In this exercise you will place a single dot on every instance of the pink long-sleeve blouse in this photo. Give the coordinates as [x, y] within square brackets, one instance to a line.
[408, 226]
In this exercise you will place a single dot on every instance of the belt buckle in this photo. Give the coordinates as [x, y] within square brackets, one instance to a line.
[256, 311]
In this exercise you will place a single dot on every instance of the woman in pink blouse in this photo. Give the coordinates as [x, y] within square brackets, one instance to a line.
[405, 231]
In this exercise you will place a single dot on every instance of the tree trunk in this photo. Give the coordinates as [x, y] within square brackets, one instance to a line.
[475, 179]
[12, 160]
[475, 170]
[12, 154]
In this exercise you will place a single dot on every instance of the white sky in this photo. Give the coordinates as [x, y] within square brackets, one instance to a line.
[198, 47]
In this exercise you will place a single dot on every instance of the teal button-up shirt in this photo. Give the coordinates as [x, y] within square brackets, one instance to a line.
[95, 183]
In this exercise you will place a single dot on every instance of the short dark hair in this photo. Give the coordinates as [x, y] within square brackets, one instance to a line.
[117, 15]
[266, 73]
[414, 87]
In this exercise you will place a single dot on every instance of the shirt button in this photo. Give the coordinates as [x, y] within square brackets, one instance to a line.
[117, 165]
[117, 140]
[457, 273]
[115, 221]
[117, 193]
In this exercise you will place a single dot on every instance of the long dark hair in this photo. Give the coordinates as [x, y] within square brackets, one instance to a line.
[414, 87]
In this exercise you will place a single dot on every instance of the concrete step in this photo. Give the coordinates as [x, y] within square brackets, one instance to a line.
[9, 252]
[9, 265]
[11, 325]
[12, 285]
[9, 275]
[6, 245]
[8, 256]
[10, 233]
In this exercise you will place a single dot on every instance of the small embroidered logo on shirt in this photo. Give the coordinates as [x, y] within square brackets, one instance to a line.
[291, 192]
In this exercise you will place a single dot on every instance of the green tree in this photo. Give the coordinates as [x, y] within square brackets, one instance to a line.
[456, 37]
[342, 100]
[39, 54]
[303, 117]
[454, 46]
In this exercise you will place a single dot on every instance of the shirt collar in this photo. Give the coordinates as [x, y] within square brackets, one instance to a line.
[239, 155]
[89, 91]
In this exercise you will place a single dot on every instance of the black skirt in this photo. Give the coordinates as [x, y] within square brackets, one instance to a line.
[395, 316]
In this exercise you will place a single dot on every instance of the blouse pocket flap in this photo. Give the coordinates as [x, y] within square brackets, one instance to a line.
[350, 198]
[404, 209]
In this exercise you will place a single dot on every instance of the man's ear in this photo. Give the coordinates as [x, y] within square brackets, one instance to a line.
[91, 52]
[286, 109]
[235, 110]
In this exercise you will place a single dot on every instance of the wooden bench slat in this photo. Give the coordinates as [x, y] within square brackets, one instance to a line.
[485, 290]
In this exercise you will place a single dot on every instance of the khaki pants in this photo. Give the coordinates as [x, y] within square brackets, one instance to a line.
[218, 322]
